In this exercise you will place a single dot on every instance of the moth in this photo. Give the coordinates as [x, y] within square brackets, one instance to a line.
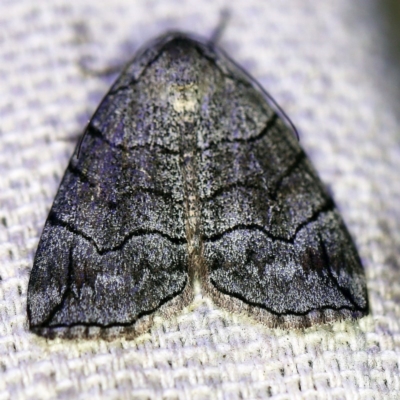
[187, 177]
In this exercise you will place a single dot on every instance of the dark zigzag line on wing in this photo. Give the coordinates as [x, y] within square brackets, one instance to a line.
[301, 156]
[269, 124]
[168, 196]
[328, 206]
[67, 292]
[227, 188]
[46, 324]
[249, 82]
[55, 221]
[345, 292]
[95, 132]
[252, 303]
[57, 308]
[198, 47]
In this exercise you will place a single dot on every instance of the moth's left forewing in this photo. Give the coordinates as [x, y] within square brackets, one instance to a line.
[113, 250]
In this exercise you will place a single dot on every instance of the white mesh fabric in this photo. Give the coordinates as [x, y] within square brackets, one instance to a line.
[325, 63]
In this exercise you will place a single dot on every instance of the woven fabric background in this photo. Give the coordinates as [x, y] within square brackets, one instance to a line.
[332, 66]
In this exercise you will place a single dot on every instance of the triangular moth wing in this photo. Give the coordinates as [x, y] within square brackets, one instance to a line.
[273, 238]
[114, 248]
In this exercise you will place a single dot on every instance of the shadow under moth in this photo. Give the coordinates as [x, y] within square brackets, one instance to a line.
[187, 177]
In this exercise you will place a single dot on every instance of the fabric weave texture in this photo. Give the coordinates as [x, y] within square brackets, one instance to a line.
[330, 66]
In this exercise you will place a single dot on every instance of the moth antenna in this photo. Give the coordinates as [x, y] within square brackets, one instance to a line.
[224, 17]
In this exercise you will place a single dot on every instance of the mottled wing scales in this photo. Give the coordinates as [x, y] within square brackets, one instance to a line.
[185, 172]
[110, 251]
[73, 284]
[289, 278]
[273, 238]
